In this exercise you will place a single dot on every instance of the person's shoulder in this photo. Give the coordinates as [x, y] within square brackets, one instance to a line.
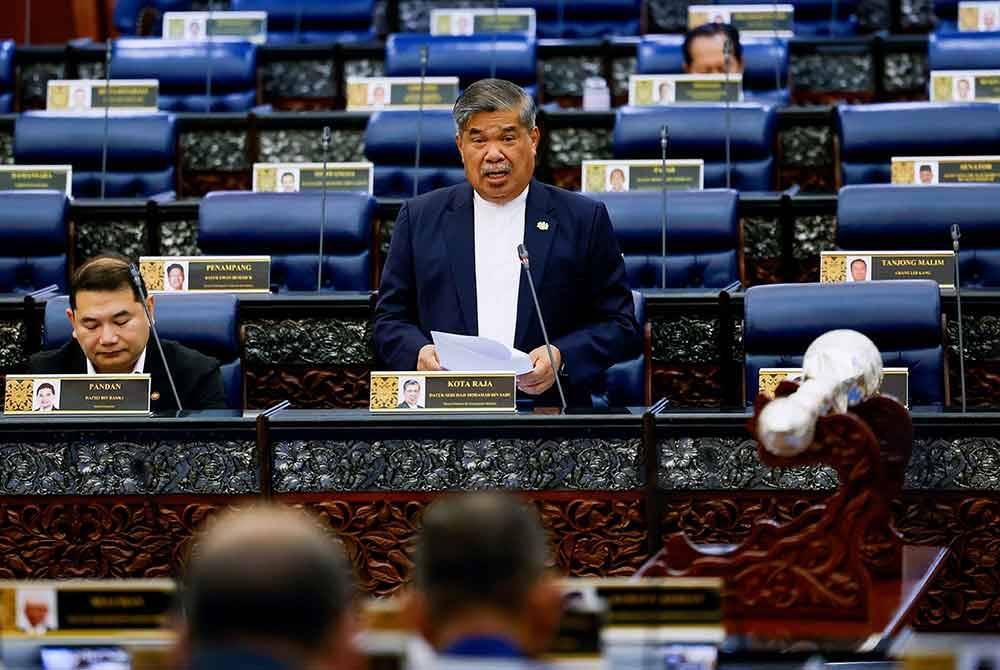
[186, 358]
[439, 197]
[54, 361]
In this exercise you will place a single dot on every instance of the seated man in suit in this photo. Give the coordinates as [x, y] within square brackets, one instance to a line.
[453, 264]
[110, 335]
[704, 49]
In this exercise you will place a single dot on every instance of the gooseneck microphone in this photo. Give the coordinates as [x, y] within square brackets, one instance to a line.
[664, 138]
[322, 208]
[956, 234]
[420, 121]
[522, 253]
[107, 109]
[727, 50]
[137, 280]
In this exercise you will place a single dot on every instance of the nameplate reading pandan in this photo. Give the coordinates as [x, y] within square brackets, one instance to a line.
[926, 170]
[443, 392]
[665, 89]
[964, 86]
[90, 96]
[895, 381]
[857, 266]
[206, 274]
[650, 602]
[37, 177]
[762, 20]
[77, 394]
[214, 26]
[303, 177]
[978, 17]
[642, 175]
[484, 20]
[375, 93]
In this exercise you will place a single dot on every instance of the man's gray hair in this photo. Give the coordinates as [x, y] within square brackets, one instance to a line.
[493, 95]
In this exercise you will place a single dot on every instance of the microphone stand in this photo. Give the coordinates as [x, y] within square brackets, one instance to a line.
[107, 108]
[496, 28]
[322, 207]
[298, 20]
[664, 136]
[956, 233]
[27, 22]
[208, 54]
[774, 27]
[420, 122]
[137, 279]
[727, 49]
[522, 253]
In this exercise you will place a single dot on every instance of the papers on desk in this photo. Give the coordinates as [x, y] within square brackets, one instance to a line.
[466, 353]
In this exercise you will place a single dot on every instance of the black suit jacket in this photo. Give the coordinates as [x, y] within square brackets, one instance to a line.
[197, 376]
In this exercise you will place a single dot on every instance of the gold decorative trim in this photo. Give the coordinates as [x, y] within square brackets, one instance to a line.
[902, 172]
[384, 392]
[968, 19]
[18, 396]
[832, 268]
[768, 380]
[152, 274]
[941, 89]
[595, 177]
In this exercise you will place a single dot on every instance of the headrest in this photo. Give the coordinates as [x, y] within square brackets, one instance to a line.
[697, 221]
[963, 51]
[896, 315]
[390, 138]
[281, 12]
[903, 217]
[134, 142]
[6, 64]
[469, 57]
[185, 65]
[33, 223]
[580, 8]
[695, 130]
[664, 54]
[284, 222]
[126, 14]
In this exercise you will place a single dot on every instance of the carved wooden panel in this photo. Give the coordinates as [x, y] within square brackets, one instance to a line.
[343, 387]
[687, 385]
[195, 184]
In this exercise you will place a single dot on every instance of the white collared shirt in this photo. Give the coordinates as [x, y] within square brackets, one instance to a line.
[498, 231]
[140, 363]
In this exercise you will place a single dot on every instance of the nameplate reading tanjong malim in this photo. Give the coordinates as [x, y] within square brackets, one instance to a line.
[963, 86]
[642, 175]
[374, 93]
[978, 17]
[925, 170]
[483, 20]
[90, 96]
[763, 20]
[215, 26]
[665, 89]
[300, 177]
[854, 266]
[228, 274]
[651, 602]
[77, 394]
[37, 177]
[443, 392]
[895, 381]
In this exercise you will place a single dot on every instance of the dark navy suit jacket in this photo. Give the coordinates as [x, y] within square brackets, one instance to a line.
[429, 283]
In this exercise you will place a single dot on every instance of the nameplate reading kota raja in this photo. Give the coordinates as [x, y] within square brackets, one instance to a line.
[642, 175]
[301, 177]
[77, 394]
[37, 177]
[201, 274]
[927, 170]
[443, 392]
[895, 381]
[859, 266]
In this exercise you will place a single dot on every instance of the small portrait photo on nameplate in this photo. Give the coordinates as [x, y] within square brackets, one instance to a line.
[895, 381]
[47, 395]
[642, 175]
[295, 177]
[443, 392]
[666, 89]
[927, 170]
[90, 97]
[860, 266]
[36, 610]
[37, 177]
[473, 21]
[978, 17]
[215, 26]
[368, 94]
[201, 274]
[761, 20]
[965, 86]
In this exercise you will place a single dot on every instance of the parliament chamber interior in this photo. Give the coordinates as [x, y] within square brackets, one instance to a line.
[847, 185]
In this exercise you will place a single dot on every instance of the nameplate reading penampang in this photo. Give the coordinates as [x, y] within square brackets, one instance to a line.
[860, 266]
[206, 274]
[89, 97]
[369, 94]
[483, 20]
[763, 20]
[928, 170]
[895, 381]
[222, 26]
[642, 175]
[666, 89]
[77, 394]
[443, 392]
[302, 177]
[37, 177]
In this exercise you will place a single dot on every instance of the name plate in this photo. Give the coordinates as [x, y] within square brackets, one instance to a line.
[443, 392]
[473, 21]
[751, 20]
[77, 394]
[206, 274]
[374, 93]
[650, 602]
[642, 175]
[301, 177]
[579, 635]
[851, 266]
[664, 89]
[965, 86]
[895, 381]
[87, 96]
[978, 17]
[945, 170]
[215, 26]
[36, 177]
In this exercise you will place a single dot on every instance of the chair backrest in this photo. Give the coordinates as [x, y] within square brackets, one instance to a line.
[208, 323]
[7, 80]
[703, 237]
[583, 18]
[697, 131]
[314, 21]
[286, 227]
[32, 240]
[963, 51]
[185, 69]
[626, 383]
[390, 143]
[128, 12]
[902, 318]
[888, 217]
[141, 151]
[870, 135]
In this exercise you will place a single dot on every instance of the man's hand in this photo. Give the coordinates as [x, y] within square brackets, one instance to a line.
[543, 376]
[427, 359]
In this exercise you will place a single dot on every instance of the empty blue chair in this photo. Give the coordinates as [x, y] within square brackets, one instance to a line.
[963, 51]
[390, 143]
[286, 227]
[902, 318]
[314, 21]
[583, 18]
[141, 151]
[697, 131]
[703, 237]
[629, 383]
[129, 13]
[33, 240]
[7, 80]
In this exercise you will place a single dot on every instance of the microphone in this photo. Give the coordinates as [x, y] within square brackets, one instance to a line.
[664, 137]
[137, 280]
[107, 108]
[522, 253]
[727, 50]
[208, 54]
[496, 29]
[322, 208]
[956, 233]
[420, 121]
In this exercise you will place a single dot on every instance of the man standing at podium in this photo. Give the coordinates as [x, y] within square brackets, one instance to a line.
[453, 264]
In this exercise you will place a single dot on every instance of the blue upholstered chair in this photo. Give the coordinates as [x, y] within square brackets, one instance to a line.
[390, 143]
[141, 151]
[314, 21]
[7, 80]
[33, 240]
[629, 383]
[762, 60]
[704, 248]
[583, 18]
[963, 51]
[208, 323]
[697, 131]
[468, 57]
[183, 70]
[286, 227]
[128, 12]
[887, 217]
[903, 319]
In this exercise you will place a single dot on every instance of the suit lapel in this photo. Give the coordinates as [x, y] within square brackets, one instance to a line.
[460, 238]
[539, 231]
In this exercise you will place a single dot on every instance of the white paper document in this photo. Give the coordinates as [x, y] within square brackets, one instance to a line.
[467, 353]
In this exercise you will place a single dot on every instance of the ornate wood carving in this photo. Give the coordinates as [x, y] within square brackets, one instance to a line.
[313, 388]
[687, 385]
[196, 183]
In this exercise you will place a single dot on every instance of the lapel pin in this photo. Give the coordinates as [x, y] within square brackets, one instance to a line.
[155, 395]
[542, 225]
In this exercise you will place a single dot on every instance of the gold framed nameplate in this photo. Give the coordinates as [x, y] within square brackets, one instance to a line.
[650, 602]
[302, 177]
[77, 394]
[368, 94]
[927, 170]
[37, 177]
[471, 21]
[89, 97]
[642, 175]
[763, 20]
[206, 274]
[965, 86]
[859, 266]
[222, 26]
[978, 17]
[443, 392]
[895, 381]
[645, 90]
